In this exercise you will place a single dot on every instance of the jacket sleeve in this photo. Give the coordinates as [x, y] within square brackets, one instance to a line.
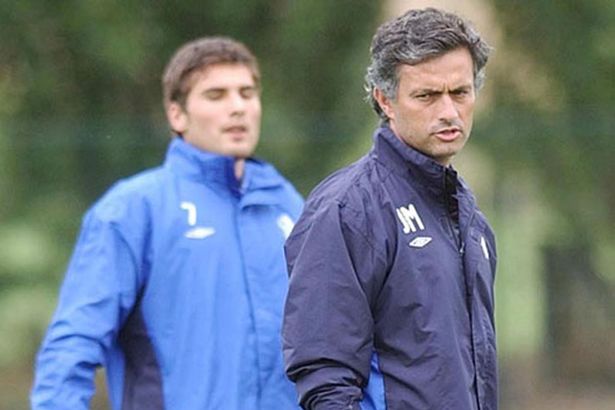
[328, 325]
[98, 292]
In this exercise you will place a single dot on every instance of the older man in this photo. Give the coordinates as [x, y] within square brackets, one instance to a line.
[392, 265]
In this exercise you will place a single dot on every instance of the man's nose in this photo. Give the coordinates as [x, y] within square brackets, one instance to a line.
[237, 103]
[447, 108]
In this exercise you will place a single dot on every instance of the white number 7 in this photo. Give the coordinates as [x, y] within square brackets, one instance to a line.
[191, 209]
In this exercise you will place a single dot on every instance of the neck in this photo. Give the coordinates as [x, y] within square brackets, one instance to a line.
[240, 165]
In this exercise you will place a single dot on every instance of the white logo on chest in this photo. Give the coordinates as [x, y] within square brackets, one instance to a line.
[195, 232]
[411, 222]
[419, 241]
[410, 219]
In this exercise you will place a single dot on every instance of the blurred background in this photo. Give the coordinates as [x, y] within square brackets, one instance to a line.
[81, 107]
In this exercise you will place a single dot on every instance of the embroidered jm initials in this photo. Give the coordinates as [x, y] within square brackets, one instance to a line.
[409, 218]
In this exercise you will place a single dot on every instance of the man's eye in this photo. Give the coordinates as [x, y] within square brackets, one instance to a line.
[214, 94]
[248, 92]
[424, 96]
[461, 93]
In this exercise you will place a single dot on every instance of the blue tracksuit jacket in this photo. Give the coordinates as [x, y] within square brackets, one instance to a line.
[176, 287]
[390, 304]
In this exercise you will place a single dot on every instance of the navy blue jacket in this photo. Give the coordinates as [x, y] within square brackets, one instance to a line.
[390, 303]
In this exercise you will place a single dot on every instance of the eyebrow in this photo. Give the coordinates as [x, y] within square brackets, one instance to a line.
[216, 88]
[439, 90]
[463, 87]
[425, 91]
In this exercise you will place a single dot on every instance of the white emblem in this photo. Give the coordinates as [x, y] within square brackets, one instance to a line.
[409, 218]
[191, 209]
[286, 224]
[483, 244]
[419, 241]
[199, 232]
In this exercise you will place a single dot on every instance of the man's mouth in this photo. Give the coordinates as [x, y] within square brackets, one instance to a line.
[448, 134]
[235, 129]
[236, 132]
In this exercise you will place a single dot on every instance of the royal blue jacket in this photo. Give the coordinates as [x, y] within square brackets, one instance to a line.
[176, 286]
[390, 304]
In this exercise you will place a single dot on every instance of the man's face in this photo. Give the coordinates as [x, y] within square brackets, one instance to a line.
[222, 113]
[434, 106]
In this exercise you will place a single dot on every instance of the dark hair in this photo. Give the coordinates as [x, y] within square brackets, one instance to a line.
[414, 37]
[197, 55]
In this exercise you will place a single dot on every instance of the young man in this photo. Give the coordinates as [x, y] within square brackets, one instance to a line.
[390, 304]
[177, 282]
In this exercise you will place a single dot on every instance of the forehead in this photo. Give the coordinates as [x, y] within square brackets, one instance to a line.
[453, 68]
[223, 76]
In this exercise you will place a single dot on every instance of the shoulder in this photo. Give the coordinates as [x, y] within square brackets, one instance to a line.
[346, 206]
[128, 198]
[354, 195]
[354, 188]
[269, 178]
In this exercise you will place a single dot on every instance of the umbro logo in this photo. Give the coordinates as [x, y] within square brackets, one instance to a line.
[419, 241]
[199, 232]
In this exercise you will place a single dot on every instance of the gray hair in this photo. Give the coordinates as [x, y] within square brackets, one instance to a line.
[414, 37]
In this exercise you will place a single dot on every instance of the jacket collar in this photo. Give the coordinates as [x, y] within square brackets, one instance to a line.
[192, 163]
[442, 182]
[401, 159]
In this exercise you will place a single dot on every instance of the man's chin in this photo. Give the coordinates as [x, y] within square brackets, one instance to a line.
[240, 153]
[244, 150]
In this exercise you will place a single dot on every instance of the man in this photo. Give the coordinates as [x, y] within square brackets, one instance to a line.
[391, 264]
[178, 280]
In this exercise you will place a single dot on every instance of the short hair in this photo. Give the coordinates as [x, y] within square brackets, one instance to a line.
[414, 37]
[195, 56]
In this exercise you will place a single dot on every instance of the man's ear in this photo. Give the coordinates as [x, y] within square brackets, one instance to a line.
[177, 117]
[384, 102]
